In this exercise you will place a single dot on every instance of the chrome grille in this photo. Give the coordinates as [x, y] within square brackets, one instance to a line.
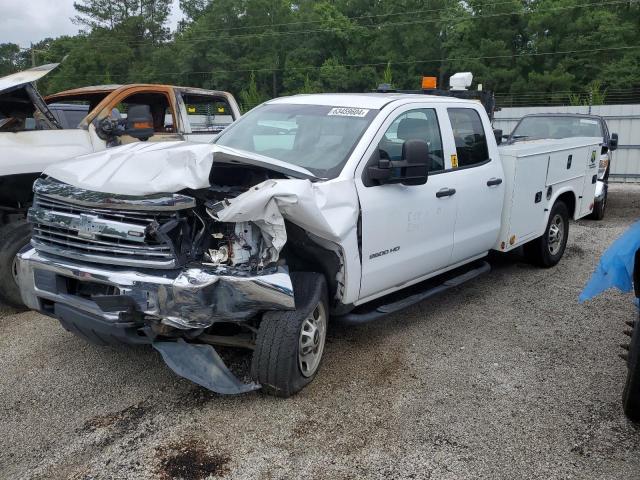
[102, 235]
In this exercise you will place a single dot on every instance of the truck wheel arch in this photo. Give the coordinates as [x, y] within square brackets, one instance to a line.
[16, 193]
[566, 196]
[304, 255]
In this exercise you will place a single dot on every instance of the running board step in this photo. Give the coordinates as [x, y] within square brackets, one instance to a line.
[393, 307]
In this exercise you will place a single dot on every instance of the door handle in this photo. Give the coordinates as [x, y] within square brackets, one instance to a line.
[445, 192]
[492, 182]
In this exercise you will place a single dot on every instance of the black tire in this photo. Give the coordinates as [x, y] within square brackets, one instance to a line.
[539, 251]
[631, 393]
[13, 237]
[599, 209]
[275, 363]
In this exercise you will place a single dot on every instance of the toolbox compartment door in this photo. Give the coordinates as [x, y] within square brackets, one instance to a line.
[528, 198]
[588, 194]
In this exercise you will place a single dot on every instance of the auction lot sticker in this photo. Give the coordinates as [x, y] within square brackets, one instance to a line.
[348, 112]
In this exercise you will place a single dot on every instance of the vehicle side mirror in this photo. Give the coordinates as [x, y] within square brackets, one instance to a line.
[139, 122]
[412, 169]
[497, 132]
[613, 142]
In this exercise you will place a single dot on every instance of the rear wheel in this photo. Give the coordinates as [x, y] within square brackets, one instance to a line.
[547, 250]
[631, 393]
[13, 237]
[290, 344]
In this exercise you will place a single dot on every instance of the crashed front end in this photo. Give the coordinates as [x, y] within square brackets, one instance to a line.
[158, 261]
[183, 246]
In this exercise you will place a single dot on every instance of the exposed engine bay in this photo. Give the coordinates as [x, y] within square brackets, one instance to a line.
[236, 244]
[161, 231]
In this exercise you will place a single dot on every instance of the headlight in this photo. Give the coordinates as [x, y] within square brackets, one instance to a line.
[602, 168]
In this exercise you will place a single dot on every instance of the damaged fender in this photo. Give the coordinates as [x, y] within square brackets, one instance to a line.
[324, 210]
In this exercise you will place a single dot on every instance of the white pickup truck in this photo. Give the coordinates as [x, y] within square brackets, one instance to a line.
[348, 206]
[36, 132]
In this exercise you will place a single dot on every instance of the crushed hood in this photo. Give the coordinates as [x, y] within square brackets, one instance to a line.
[146, 168]
[18, 79]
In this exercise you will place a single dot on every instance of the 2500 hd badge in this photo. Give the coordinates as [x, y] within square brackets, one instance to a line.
[384, 252]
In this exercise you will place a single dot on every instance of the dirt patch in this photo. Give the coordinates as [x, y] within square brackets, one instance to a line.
[575, 250]
[124, 420]
[190, 460]
[302, 429]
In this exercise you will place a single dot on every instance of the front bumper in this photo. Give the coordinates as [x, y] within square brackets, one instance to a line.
[191, 298]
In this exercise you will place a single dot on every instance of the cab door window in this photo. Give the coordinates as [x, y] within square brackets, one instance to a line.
[419, 124]
[470, 137]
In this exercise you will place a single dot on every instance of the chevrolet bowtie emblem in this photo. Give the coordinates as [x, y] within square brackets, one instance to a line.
[87, 227]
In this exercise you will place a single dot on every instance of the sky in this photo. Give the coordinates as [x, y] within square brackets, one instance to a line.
[26, 21]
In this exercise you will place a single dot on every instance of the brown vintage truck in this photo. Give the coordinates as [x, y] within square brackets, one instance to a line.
[36, 132]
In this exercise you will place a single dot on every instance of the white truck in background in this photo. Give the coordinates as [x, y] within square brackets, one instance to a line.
[36, 132]
[349, 206]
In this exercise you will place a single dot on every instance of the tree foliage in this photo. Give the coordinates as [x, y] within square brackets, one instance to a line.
[265, 48]
[12, 59]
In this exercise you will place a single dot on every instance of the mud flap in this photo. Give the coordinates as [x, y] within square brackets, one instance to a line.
[202, 365]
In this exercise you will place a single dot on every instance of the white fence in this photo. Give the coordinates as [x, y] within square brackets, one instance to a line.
[621, 119]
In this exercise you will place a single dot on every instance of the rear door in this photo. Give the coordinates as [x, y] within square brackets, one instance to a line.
[406, 231]
[477, 177]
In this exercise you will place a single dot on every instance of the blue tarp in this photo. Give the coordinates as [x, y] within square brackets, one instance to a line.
[616, 265]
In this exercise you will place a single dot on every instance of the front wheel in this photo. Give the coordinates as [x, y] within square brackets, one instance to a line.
[547, 250]
[290, 344]
[13, 237]
[599, 208]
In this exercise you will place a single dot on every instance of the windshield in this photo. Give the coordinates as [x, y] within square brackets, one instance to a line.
[557, 127]
[318, 138]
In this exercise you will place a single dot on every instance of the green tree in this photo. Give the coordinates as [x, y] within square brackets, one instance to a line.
[488, 39]
[12, 59]
[308, 86]
[193, 9]
[569, 26]
[387, 77]
[251, 97]
[266, 48]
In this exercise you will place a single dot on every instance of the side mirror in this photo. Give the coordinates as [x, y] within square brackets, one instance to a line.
[413, 169]
[497, 132]
[139, 122]
[613, 142]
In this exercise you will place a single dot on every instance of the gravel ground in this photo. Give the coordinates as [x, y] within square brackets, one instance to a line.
[505, 377]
